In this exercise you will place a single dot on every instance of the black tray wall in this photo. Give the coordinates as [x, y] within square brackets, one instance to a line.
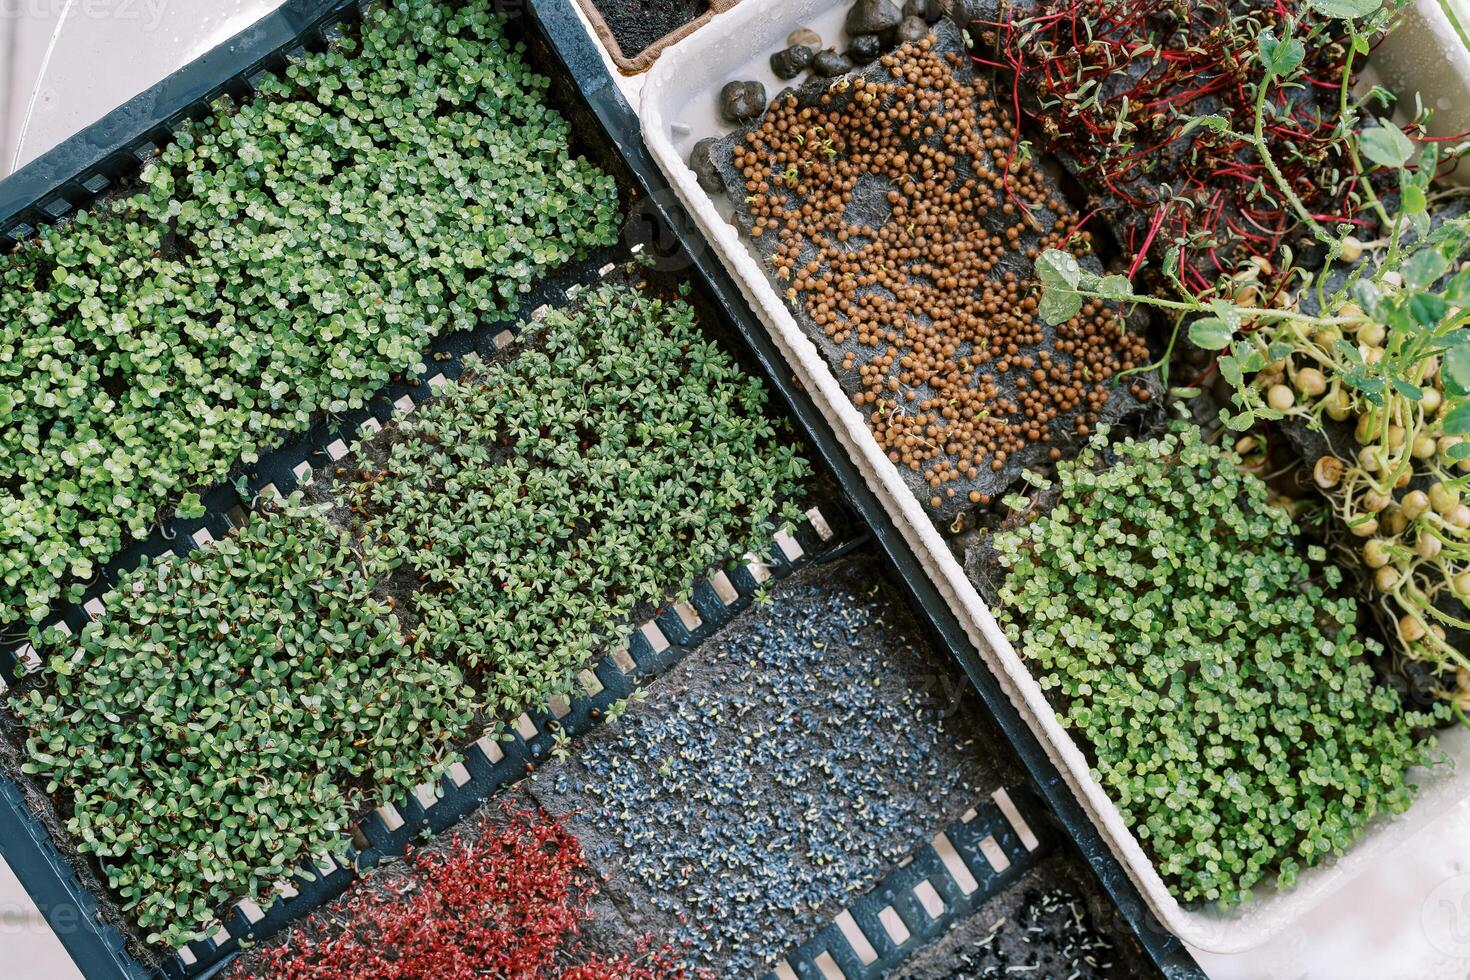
[559, 23]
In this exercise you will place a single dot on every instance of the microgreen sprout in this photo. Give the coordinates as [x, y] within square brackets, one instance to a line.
[1215, 679]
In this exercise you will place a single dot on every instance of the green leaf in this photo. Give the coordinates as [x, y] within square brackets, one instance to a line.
[1225, 310]
[1427, 308]
[1058, 305]
[1280, 58]
[190, 507]
[1408, 389]
[1386, 145]
[1455, 370]
[1457, 420]
[1372, 387]
[1057, 268]
[1212, 121]
[1115, 288]
[1171, 261]
[1412, 200]
[1230, 370]
[1366, 294]
[1457, 290]
[1243, 421]
[1345, 9]
[1210, 333]
[1424, 268]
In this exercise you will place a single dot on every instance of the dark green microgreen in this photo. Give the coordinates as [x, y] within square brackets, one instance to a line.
[284, 258]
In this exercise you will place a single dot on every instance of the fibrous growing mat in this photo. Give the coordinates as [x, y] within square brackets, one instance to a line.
[902, 226]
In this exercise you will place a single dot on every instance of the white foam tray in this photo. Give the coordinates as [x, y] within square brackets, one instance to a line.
[678, 108]
[1426, 55]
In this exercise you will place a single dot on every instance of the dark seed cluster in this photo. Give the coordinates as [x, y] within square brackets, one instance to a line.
[1040, 931]
[907, 222]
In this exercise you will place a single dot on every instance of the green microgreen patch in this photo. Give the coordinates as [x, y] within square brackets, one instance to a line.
[283, 258]
[230, 718]
[1213, 676]
[538, 502]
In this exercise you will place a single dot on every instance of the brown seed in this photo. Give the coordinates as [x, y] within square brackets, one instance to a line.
[937, 253]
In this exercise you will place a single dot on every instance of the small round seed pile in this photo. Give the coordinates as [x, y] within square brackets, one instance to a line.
[948, 353]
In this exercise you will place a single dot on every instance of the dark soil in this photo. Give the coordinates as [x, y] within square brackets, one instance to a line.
[636, 24]
[1051, 924]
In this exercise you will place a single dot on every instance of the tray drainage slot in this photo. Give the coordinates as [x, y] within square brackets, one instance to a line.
[725, 591]
[828, 966]
[955, 864]
[850, 930]
[1013, 815]
[657, 642]
[525, 727]
[893, 924]
[623, 658]
[994, 854]
[392, 819]
[929, 898]
[490, 749]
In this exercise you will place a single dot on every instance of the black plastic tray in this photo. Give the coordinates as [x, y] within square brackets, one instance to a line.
[559, 23]
[110, 151]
